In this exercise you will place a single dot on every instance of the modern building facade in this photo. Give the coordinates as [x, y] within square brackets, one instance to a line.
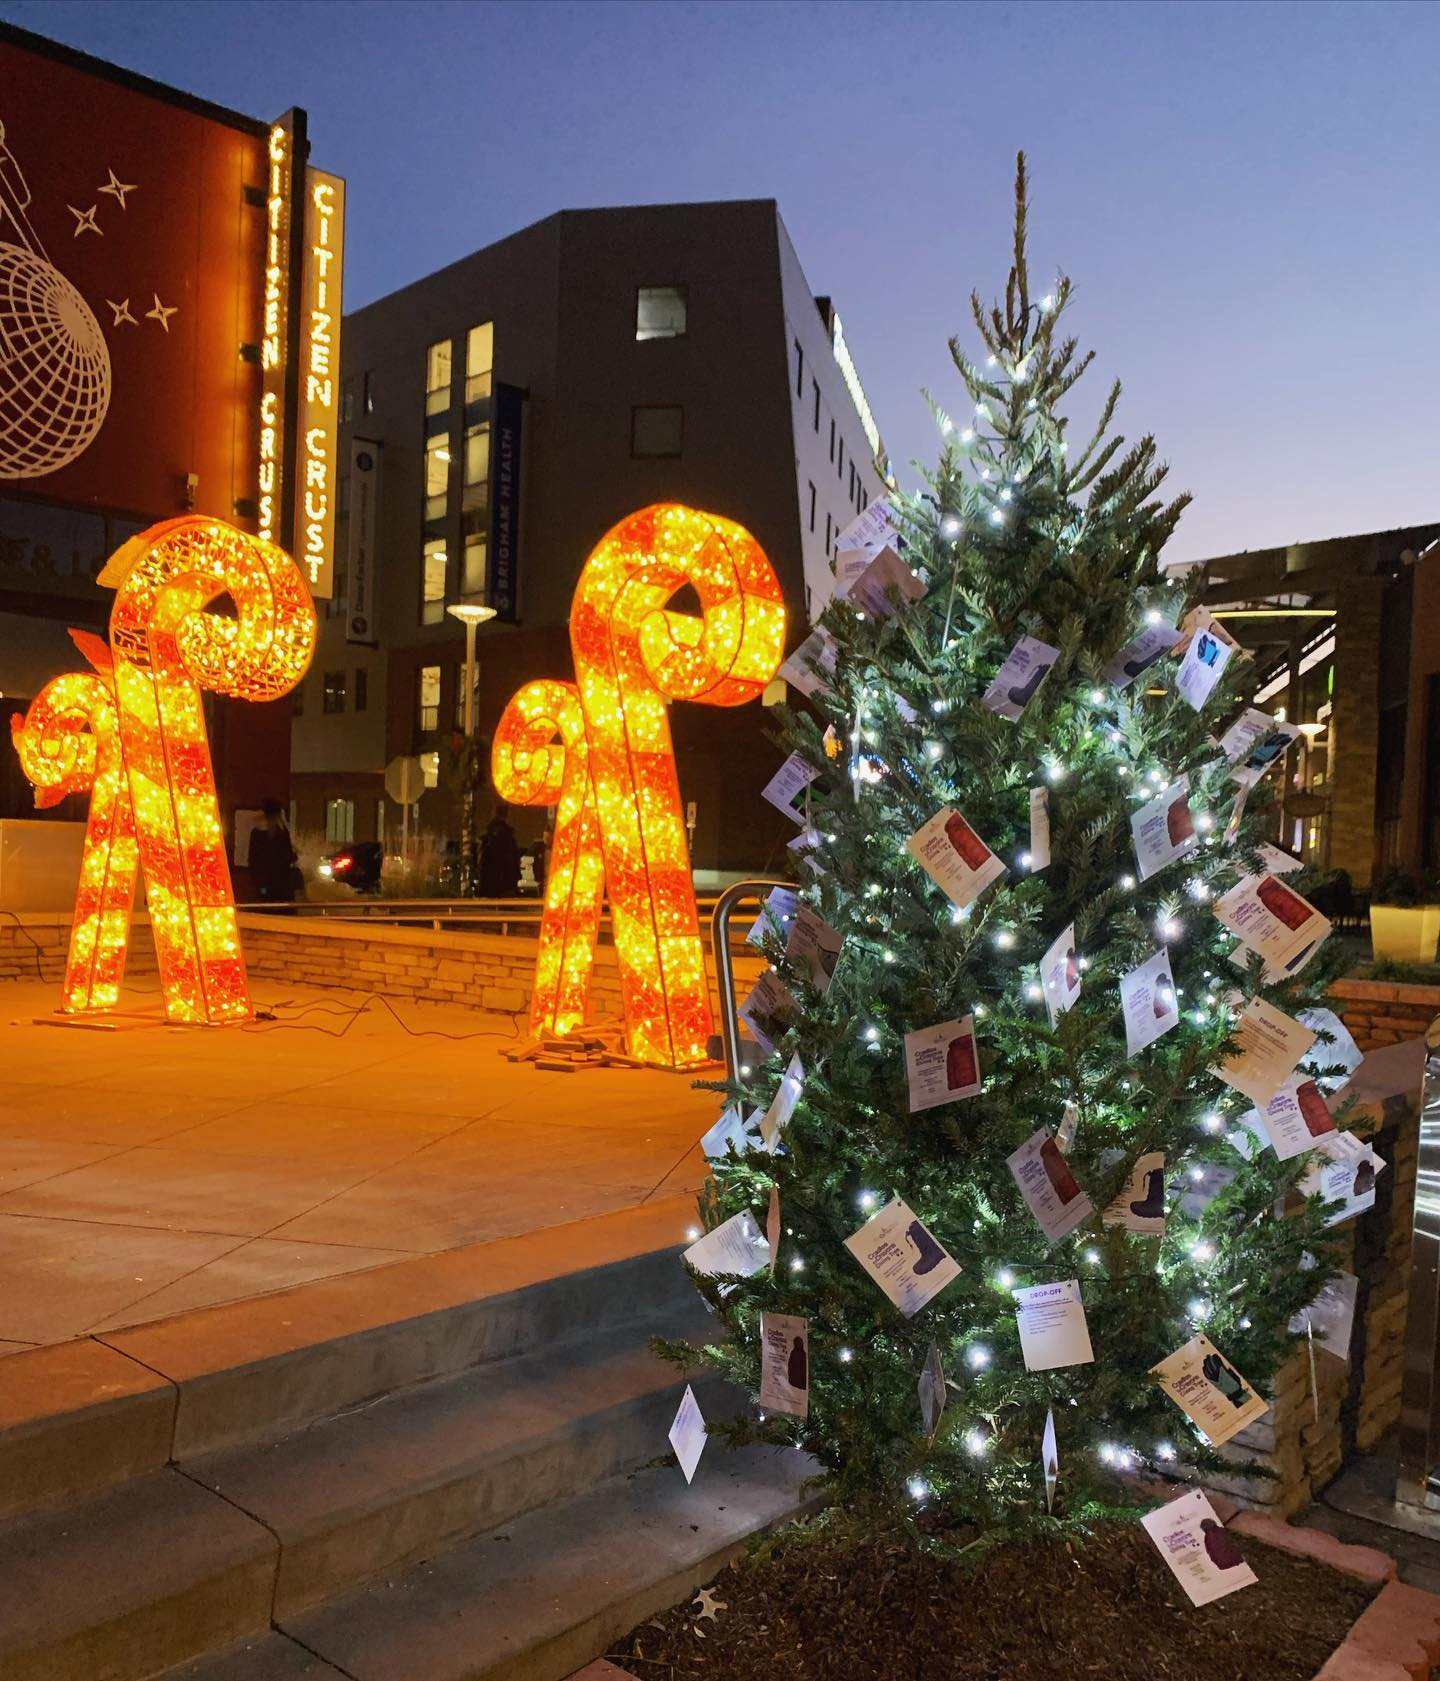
[169, 310]
[499, 417]
[1345, 633]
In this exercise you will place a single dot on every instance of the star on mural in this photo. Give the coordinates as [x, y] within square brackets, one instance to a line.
[161, 312]
[85, 220]
[122, 313]
[117, 188]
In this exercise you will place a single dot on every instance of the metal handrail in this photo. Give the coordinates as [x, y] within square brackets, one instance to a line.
[724, 965]
[1418, 1436]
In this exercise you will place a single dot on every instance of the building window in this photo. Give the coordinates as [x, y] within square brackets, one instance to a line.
[864, 499]
[460, 696]
[479, 362]
[429, 698]
[367, 392]
[347, 401]
[852, 481]
[656, 431]
[339, 821]
[829, 528]
[333, 692]
[816, 384]
[474, 568]
[840, 463]
[362, 688]
[380, 820]
[812, 507]
[437, 475]
[430, 769]
[832, 440]
[660, 312]
[799, 370]
[437, 378]
[477, 464]
[432, 586]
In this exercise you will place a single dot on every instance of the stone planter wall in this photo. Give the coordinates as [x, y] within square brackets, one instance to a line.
[1385, 1012]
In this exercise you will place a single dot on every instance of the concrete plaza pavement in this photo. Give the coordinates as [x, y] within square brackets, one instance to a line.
[151, 1169]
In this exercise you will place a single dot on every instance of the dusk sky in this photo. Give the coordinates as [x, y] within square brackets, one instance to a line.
[1244, 195]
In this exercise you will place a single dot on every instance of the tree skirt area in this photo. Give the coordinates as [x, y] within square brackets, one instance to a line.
[1106, 1606]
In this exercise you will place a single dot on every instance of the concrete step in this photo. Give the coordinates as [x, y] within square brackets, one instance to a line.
[539, 1597]
[376, 1489]
[271, 1656]
[83, 1416]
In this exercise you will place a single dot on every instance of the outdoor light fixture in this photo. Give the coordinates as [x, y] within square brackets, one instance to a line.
[133, 734]
[621, 819]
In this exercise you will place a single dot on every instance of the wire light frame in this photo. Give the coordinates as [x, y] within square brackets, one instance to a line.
[621, 822]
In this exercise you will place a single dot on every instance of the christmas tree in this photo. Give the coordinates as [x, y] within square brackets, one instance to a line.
[1005, 655]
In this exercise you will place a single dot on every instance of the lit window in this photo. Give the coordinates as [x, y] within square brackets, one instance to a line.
[347, 401]
[437, 475]
[362, 689]
[429, 701]
[367, 392]
[430, 769]
[660, 312]
[479, 361]
[477, 455]
[474, 569]
[656, 431]
[334, 692]
[437, 378]
[380, 820]
[432, 589]
[339, 821]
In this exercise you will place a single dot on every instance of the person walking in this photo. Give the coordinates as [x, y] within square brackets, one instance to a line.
[499, 857]
[274, 864]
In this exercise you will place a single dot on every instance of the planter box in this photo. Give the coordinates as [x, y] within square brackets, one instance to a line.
[1405, 933]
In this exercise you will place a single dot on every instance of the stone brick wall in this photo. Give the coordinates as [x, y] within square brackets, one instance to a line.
[1385, 1012]
[33, 945]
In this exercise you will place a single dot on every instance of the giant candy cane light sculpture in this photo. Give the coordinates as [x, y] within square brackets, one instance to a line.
[620, 821]
[146, 757]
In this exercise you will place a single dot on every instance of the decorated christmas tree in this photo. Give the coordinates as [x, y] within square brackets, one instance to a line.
[1035, 911]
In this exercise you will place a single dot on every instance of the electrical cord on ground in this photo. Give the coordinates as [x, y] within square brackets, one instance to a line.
[275, 1023]
[39, 949]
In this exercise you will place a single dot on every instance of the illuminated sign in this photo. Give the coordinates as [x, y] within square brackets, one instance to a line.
[274, 336]
[318, 425]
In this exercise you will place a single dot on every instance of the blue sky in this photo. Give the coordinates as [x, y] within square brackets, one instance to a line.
[1244, 194]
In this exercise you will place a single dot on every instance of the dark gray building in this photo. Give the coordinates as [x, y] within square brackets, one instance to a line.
[518, 404]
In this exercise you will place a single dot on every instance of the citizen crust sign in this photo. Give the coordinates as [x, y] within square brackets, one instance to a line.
[505, 502]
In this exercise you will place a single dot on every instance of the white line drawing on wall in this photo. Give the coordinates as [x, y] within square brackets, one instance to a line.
[117, 188]
[54, 362]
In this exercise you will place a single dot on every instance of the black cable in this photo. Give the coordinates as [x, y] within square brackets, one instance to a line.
[39, 949]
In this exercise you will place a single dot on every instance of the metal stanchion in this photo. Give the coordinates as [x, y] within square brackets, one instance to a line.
[724, 966]
[1417, 1483]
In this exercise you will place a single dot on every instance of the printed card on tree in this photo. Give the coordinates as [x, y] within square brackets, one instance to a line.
[1140, 1207]
[1330, 1318]
[1039, 828]
[1069, 1126]
[1268, 1044]
[812, 665]
[687, 1434]
[1344, 1170]
[1202, 1384]
[1277, 862]
[1026, 667]
[1152, 644]
[776, 915]
[954, 857]
[1334, 1046]
[1050, 1458]
[1203, 666]
[902, 1257]
[1237, 812]
[769, 1010]
[868, 532]
[814, 948]
[772, 1227]
[788, 785]
[932, 1390]
[1060, 976]
[806, 847]
[785, 1364]
[782, 1105]
[1163, 829]
[1147, 996]
[884, 579]
[941, 1063]
[1198, 1548]
[732, 1129]
[1274, 920]
[1294, 1118]
[736, 1248]
[1255, 743]
[1049, 1188]
[1053, 1331]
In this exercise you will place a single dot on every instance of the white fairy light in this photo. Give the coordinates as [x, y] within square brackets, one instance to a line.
[1004, 939]
[1127, 882]
[959, 913]
[937, 707]
[975, 1443]
[968, 435]
[1211, 1121]
[846, 1356]
[1204, 822]
[692, 1235]
[1167, 927]
[797, 1264]
[1033, 991]
[1199, 1309]
[867, 1199]
[1097, 697]
[978, 1011]
[996, 517]
[1153, 616]
[1164, 1450]
[1107, 1453]
[1202, 1250]
[1047, 303]
[872, 1034]
[977, 1356]
[888, 956]
[1006, 496]
[1005, 1278]
[950, 526]
[1025, 860]
[918, 1488]
[1092, 1257]
[1197, 1173]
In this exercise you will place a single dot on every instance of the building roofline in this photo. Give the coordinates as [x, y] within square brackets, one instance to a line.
[1280, 550]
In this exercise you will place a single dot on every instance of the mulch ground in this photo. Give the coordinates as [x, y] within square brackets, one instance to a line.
[1106, 1607]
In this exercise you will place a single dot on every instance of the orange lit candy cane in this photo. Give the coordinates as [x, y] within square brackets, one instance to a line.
[632, 656]
[69, 743]
[167, 648]
[530, 767]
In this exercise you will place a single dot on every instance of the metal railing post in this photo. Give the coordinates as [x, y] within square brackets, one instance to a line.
[724, 965]
[1419, 1433]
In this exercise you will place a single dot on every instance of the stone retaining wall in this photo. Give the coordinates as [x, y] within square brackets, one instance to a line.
[1385, 1012]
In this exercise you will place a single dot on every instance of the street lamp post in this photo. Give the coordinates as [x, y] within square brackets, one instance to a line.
[472, 617]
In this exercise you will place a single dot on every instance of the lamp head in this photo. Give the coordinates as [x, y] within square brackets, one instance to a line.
[470, 613]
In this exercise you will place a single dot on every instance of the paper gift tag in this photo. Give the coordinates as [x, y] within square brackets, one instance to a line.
[814, 948]
[1268, 1045]
[772, 1228]
[1277, 862]
[812, 665]
[1152, 644]
[1140, 1207]
[884, 577]
[1163, 829]
[1294, 1118]
[1203, 666]
[932, 1390]
[687, 1434]
[1026, 667]
[1330, 1318]
[1274, 920]
[788, 785]
[806, 847]
[1039, 828]
[1334, 1046]
[954, 857]
[902, 1257]
[1050, 1459]
[785, 1364]
[1069, 1126]
[776, 915]
[868, 532]
[1343, 1171]
[782, 1105]
[1199, 1380]
[768, 1011]
[1052, 1325]
[1147, 997]
[1060, 976]
[1201, 1185]
[731, 1131]
[1255, 743]
[1237, 811]
[941, 1063]
[1198, 1548]
[1049, 1188]
[736, 1248]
